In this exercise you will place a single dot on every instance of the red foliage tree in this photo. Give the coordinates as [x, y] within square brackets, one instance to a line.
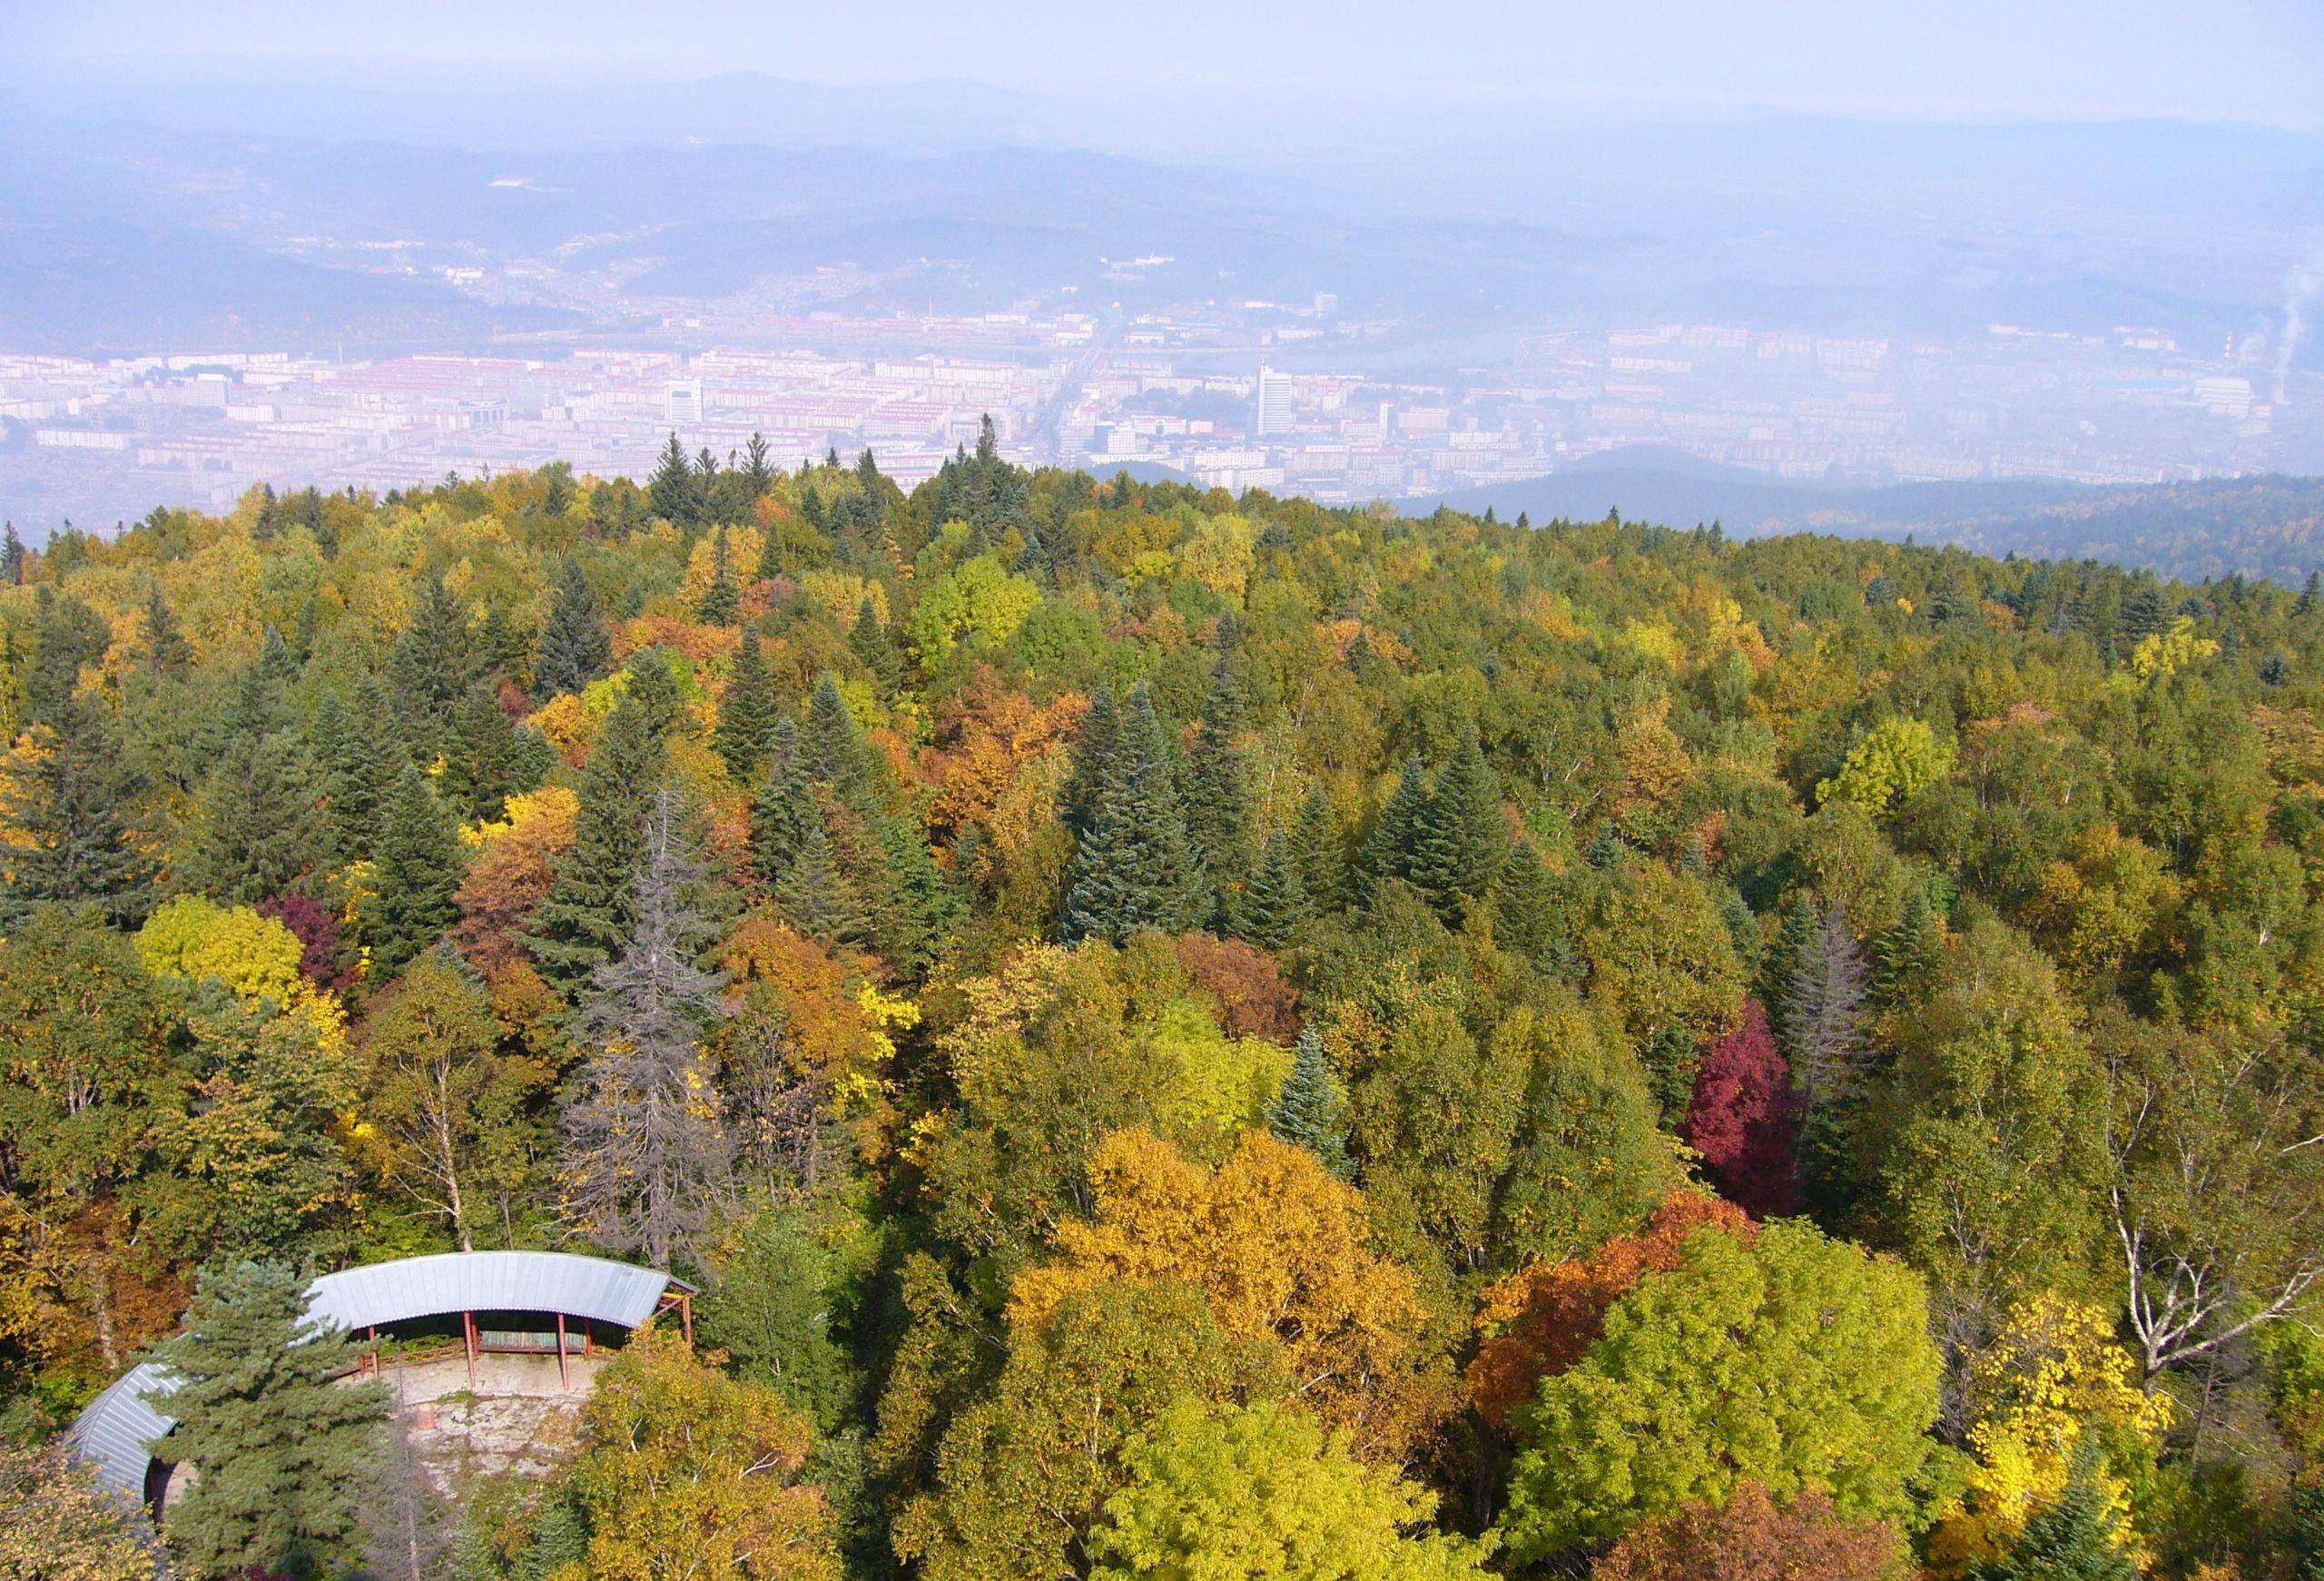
[1540, 1319]
[1745, 1119]
[1754, 1538]
[317, 931]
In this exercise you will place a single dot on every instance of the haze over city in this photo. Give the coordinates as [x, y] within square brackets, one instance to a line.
[1353, 257]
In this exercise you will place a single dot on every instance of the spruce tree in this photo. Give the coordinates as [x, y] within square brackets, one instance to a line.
[279, 1440]
[673, 490]
[722, 601]
[12, 556]
[1389, 850]
[1275, 908]
[922, 907]
[259, 829]
[1322, 861]
[2076, 1537]
[415, 874]
[755, 466]
[1461, 840]
[361, 753]
[1311, 1111]
[868, 640]
[833, 751]
[1133, 870]
[433, 661]
[1093, 752]
[585, 915]
[748, 712]
[575, 647]
[71, 803]
[1217, 802]
[1524, 907]
[785, 807]
[168, 655]
[814, 892]
[484, 762]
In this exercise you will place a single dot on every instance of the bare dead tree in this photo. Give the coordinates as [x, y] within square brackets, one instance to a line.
[647, 1154]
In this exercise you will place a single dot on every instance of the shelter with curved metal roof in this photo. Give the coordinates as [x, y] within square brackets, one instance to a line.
[116, 1432]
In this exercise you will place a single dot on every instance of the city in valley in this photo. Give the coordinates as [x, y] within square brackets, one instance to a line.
[1292, 398]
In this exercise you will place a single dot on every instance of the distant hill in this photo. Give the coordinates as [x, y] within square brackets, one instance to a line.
[2268, 526]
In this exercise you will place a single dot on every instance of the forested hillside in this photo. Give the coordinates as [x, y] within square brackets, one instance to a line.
[1187, 1036]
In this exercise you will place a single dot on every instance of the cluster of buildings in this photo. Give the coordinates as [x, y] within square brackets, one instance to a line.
[1237, 395]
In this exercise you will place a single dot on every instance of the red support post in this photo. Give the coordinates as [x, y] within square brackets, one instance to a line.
[373, 1332]
[564, 1378]
[467, 1338]
[685, 1316]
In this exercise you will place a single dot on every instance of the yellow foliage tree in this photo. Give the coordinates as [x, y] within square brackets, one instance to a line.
[256, 957]
[1279, 1248]
[2054, 1374]
[2169, 651]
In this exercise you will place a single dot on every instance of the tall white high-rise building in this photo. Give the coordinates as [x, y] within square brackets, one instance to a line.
[1273, 413]
[681, 404]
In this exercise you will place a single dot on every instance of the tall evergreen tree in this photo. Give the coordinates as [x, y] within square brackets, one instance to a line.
[279, 1440]
[1218, 803]
[168, 655]
[675, 491]
[1323, 860]
[1524, 907]
[748, 712]
[1311, 1111]
[587, 915]
[1275, 907]
[722, 601]
[575, 647]
[484, 764]
[258, 827]
[833, 749]
[1133, 870]
[1389, 850]
[416, 872]
[433, 660]
[71, 801]
[785, 807]
[1461, 840]
[868, 640]
[648, 1156]
[1093, 753]
[755, 466]
[12, 556]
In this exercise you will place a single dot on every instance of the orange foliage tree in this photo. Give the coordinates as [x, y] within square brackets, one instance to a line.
[1539, 1320]
[1752, 1537]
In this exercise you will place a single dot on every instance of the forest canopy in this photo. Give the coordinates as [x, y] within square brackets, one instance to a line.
[1456, 1047]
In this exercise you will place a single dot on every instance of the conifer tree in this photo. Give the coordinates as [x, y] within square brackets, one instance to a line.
[813, 891]
[71, 803]
[1524, 906]
[279, 1442]
[484, 761]
[748, 712]
[755, 466]
[673, 490]
[2306, 1523]
[647, 1152]
[2075, 1537]
[415, 874]
[833, 751]
[433, 660]
[785, 807]
[1218, 803]
[1311, 1111]
[1461, 840]
[1133, 870]
[12, 556]
[1315, 844]
[168, 655]
[361, 753]
[1275, 907]
[575, 647]
[1093, 752]
[258, 827]
[922, 907]
[722, 601]
[868, 640]
[587, 915]
[1389, 850]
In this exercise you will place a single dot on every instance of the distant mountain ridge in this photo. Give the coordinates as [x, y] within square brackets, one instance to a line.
[2268, 525]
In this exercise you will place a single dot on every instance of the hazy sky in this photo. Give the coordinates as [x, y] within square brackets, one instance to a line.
[2244, 60]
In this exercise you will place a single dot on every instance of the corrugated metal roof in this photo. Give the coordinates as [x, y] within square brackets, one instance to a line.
[114, 1434]
[117, 1430]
